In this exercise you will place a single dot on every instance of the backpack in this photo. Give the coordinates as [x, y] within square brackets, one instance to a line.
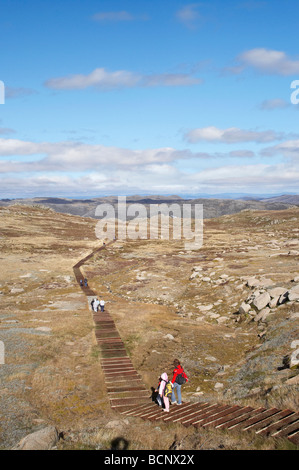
[168, 389]
[181, 378]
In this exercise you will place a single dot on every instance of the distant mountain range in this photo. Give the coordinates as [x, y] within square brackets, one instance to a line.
[212, 207]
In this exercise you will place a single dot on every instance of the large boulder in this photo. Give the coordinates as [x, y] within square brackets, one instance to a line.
[253, 282]
[277, 292]
[274, 302]
[44, 439]
[261, 301]
[262, 315]
[283, 298]
[294, 293]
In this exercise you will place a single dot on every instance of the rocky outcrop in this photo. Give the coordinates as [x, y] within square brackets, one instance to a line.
[260, 302]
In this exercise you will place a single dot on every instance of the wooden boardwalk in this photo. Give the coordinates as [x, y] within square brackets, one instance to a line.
[128, 395]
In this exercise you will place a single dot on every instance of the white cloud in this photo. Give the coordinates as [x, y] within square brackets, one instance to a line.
[267, 61]
[117, 16]
[250, 178]
[276, 103]
[230, 135]
[171, 79]
[251, 5]
[241, 154]
[113, 16]
[6, 130]
[103, 80]
[189, 15]
[75, 156]
[163, 179]
[12, 92]
[70, 168]
[289, 149]
[99, 78]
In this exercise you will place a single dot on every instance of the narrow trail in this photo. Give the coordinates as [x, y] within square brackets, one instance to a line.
[129, 396]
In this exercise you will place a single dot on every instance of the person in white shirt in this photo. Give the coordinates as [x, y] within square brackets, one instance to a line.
[102, 305]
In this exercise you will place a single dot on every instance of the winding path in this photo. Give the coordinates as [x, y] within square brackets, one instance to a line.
[129, 396]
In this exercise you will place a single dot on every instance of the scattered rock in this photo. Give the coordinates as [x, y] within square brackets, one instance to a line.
[244, 308]
[169, 336]
[205, 308]
[211, 358]
[197, 268]
[193, 275]
[293, 380]
[44, 439]
[294, 359]
[16, 290]
[117, 423]
[218, 386]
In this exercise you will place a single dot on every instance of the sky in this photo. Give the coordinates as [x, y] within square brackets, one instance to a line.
[150, 97]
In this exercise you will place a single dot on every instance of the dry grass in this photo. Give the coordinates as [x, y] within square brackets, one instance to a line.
[54, 375]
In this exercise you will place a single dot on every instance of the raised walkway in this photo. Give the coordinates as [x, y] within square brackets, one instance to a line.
[129, 396]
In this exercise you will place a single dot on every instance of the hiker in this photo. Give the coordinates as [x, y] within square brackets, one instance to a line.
[102, 305]
[157, 397]
[178, 379]
[96, 304]
[163, 392]
[91, 303]
[81, 282]
[85, 282]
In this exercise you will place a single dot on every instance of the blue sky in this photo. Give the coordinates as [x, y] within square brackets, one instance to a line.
[148, 97]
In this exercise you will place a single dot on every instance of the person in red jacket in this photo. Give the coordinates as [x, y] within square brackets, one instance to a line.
[177, 373]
